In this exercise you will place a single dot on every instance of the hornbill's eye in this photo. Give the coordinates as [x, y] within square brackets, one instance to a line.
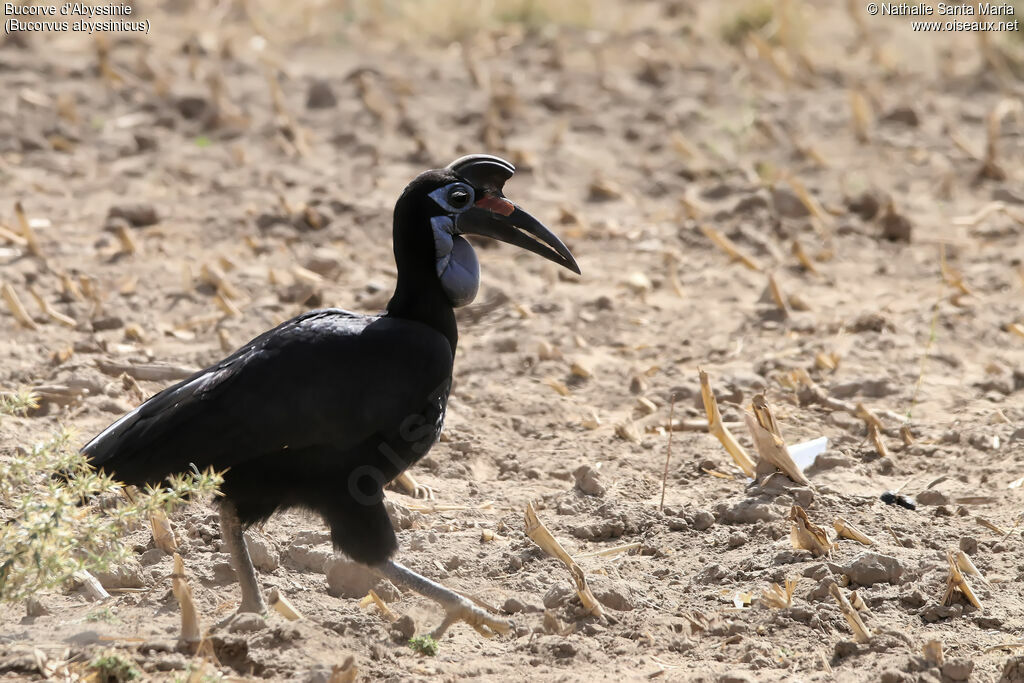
[459, 197]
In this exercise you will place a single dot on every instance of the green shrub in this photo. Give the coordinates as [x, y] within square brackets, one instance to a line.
[53, 527]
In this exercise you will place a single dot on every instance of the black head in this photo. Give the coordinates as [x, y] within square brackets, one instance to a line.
[466, 198]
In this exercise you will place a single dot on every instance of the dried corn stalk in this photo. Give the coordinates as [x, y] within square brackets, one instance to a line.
[860, 631]
[49, 310]
[991, 526]
[729, 247]
[719, 430]
[861, 115]
[372, 598]
[777, 297]
[540, 535]
[17, 308]
[163, 535]
[768, 441]
[806, 535]
[846, 530]
[282, 605]
[26, 230]
[779, 597]
[183, 593]
[92, 585]
[957, 582]
[874, 429]
[807, 199]
[804, 259]
[967, 566]
[859, 604]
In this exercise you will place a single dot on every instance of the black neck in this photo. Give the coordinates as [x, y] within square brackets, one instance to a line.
[418, 295]
[420, 298]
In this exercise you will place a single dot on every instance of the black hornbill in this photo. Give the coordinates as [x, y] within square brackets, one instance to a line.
[324, 410]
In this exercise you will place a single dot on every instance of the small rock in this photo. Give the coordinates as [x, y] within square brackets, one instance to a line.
[737, 539]
[320, 95]
[404, 628]
[326, 262]
[309, 558]
[33, 142]
[138, 215]
[110, 322]
[905, 115]
[558, 595]
[506, 345]
[914, 599]
[932, 497]
[517, 606]
[868, 569]
[34, 607]
[564, 649]
[711, 574]
[968, 544]
[127, 575]
[193, 106]
[1013, 670]
[144, 142]
[787, 204]
[223, 573]
[871, 322]
[749, 204]
[895, 226]
[246, 622]
[588, 480]
[402, 518]
[113, 406]
[748, 511]
[870, 388]
[866, 205]
[702, 520]
[348, 579]
[310, 219]
[933, 613]
[151, 557]
[263, 554]
[1005, 194]
[957, 669]
[610, 594]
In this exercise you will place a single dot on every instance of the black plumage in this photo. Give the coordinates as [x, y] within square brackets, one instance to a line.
[324, 410]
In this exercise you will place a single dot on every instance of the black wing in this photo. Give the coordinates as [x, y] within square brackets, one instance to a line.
[328, 377]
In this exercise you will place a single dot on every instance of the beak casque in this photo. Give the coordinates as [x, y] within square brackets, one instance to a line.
[496, 217]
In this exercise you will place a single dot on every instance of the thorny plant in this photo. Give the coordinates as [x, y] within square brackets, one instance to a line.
[53, 527]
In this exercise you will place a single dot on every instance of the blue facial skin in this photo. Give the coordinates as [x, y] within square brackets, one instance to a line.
[456, 262]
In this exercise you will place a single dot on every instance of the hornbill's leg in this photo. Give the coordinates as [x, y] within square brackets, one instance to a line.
[412, 487]
[456, 607]
[231, 532]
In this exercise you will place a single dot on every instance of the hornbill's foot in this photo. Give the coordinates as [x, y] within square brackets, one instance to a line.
[240, 612]
[456, 607]
[413, 488]
[464, 610]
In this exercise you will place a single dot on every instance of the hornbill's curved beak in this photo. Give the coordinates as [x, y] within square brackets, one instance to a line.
[494, 216]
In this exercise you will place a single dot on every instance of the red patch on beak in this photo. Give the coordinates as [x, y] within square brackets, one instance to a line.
[496, 204]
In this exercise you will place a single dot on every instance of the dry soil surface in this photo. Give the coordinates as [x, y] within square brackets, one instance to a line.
[235, 167]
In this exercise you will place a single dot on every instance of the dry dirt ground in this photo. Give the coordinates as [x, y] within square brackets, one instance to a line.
[236, 167]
